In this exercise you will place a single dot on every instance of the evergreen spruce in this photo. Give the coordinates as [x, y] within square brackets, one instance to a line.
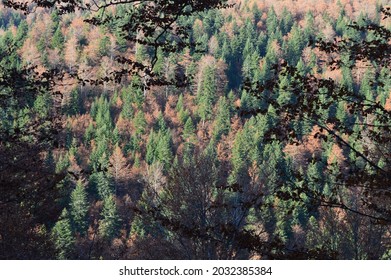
[79, 208]
[63, 237]
[108, 225]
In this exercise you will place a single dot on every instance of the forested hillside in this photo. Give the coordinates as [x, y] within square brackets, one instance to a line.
[265, 135]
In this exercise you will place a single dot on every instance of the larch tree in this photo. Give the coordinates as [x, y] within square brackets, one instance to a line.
[118, 167]
[71, 53]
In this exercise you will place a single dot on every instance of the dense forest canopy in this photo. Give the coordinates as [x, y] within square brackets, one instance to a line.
[195, 130]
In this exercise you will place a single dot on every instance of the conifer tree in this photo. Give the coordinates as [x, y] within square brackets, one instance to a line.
[341, 24]
[108, 225]
[384, 85]
[79, 208]
[285, 97]
[225, 51]
[42, 46]
[150, 155]
[309, 29]
[262, 43]
[283, 227]
[100, 182]
[248, 48]
[286, 21]
[127, 105]
[55, 17]
[313, 236]
[188, 130]
[160, 124]
[139, 123]
[222, 123]
[347, 79]
[183, 115]
[271, 21]
[99, 158]
[240, 159]
[9, 57]
[314, 176]
[341, 113]
[21, 33]
[104, 45]
[158, 68]
[141, 53]
[42, 104]
[295, 45]
[121, 41]
[179, 105]
[206, 94]
[116, 137]
[164, 148]
[89, 134]
[50, 162]
[75, 103]
[58, 39]
[366, 87]
[301, 67]
[118, 166]
[135, 91]
[62, 236]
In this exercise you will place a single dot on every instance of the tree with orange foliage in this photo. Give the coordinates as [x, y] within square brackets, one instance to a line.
[118, 167]
[71, 52]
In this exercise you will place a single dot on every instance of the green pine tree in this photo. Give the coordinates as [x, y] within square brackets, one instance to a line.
[89, 134]
[127, 103]
[285, 96]
[109, 224]
[164, 149]
[286, 21]
[223, 119]
[75, 103]
[140, 123]
[206, 94]
[21, 33]
[42, 105]
[271, 21]
[104, 46]
[101, 184]
[295, 45]
[58, 39]
[62, 236]
[183, 115]
[150, 155]
[188, 130]
[179, 104]
[159, 64]
[79, 208]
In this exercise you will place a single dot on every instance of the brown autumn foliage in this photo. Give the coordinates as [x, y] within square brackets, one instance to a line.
[118, 168]
[387, 106]
[71, 52]
[336, 155]
[310, 147]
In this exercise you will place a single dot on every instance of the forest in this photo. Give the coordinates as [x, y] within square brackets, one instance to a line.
[239, 129]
